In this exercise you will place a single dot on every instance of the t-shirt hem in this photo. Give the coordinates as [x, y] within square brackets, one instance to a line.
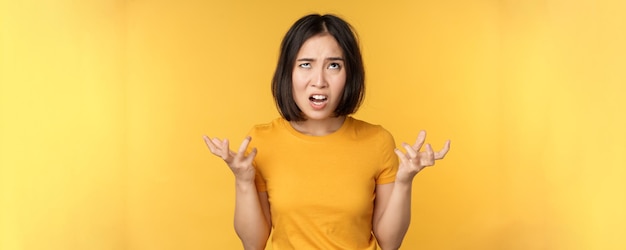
[385, 181]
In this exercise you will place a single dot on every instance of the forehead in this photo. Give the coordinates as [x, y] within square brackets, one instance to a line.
[322, 45]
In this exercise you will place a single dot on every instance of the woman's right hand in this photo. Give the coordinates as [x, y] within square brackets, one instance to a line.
[239, 163]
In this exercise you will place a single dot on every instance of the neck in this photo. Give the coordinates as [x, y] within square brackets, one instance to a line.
[318, 127]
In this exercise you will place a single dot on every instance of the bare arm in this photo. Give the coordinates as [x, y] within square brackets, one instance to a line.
[251, 224]
[392, 215]
[392, 207]
[252, 220]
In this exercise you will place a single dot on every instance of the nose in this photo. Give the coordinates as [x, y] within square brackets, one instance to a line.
[319, 79]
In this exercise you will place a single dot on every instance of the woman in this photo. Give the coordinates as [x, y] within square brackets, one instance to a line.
[322, 179]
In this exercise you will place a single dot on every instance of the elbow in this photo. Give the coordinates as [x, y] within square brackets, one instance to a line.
[389, 245]
[390, 237]
[253, 238]
[388, 242]
[257, 242]
[254, 246]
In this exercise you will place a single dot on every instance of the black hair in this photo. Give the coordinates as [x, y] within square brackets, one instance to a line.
[303, 29]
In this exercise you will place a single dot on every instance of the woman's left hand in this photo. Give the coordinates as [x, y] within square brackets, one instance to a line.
[413, 161]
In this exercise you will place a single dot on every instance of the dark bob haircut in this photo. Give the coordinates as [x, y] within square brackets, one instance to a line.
[303, 29]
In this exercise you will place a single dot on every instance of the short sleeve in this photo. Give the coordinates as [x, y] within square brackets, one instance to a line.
[389, 159]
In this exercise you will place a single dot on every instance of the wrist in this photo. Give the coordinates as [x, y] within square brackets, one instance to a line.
[244, 183]
[404, 178]
[403, 184]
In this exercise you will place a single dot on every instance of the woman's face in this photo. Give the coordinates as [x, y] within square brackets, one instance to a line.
[319, 77]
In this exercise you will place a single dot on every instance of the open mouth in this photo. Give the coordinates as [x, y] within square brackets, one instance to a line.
[318, 101]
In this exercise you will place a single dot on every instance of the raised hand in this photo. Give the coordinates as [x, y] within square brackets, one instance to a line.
[239, 163]
[413, 161]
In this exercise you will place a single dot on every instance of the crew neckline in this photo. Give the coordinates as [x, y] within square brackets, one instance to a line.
[346, 123]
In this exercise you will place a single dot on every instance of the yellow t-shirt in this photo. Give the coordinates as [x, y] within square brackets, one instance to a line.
[321, 189]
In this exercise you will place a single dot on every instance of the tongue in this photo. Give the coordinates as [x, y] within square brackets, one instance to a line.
[318, 105]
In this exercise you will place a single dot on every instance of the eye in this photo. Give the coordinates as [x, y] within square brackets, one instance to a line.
[334, 66]
[305, 65]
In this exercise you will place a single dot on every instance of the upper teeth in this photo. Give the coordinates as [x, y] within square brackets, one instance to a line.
[319, 97]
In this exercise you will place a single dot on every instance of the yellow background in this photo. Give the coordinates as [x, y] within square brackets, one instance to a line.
[103, 105]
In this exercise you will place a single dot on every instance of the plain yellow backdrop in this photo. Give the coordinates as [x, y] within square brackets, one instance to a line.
[103, 105]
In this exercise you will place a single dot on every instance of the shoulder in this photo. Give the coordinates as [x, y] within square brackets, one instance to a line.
[267, 129]
[363, 128]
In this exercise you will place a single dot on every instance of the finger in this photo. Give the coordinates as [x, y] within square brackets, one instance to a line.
[421, 137]
[427, 158]
[401, 155]
[215, 149]
[430, 153]
[442, 153]
[217, 142]
[209, 144]
[243, 146]
[251, 156]
[412, 154]
[225, 152]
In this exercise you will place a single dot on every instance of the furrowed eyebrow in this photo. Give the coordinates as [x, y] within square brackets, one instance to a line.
[312, 60]
[334, 59]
